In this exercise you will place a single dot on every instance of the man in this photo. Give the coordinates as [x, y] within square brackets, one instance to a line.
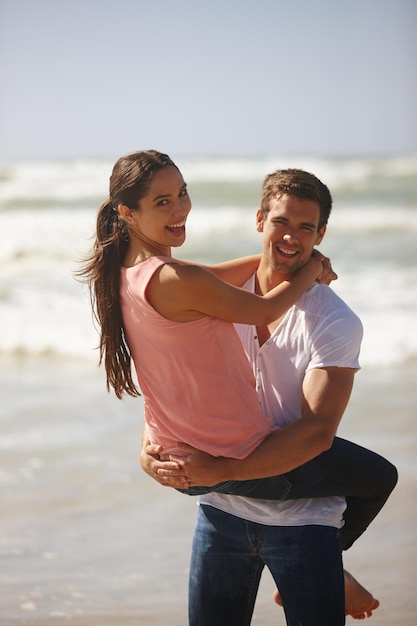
[304, 365]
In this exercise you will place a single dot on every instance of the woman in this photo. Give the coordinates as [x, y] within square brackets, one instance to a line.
[174, 320]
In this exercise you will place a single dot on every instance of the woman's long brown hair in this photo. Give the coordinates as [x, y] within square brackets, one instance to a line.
[129, 182]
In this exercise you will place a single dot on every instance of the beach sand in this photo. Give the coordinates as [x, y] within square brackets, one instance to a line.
[88, 538]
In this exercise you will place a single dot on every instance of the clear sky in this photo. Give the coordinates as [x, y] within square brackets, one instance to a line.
[99, 78]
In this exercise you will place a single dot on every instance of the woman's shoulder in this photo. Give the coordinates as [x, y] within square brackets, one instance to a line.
[147, 265]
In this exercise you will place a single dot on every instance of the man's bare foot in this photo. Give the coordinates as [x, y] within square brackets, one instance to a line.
[277, 597]
[359, 602]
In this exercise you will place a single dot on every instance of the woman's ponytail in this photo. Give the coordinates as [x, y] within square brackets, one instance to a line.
[103, 276]
[129, 182]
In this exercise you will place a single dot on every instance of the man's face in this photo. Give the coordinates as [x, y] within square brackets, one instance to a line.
[290, 232]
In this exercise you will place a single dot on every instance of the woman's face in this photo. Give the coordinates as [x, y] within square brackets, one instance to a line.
[162, 212]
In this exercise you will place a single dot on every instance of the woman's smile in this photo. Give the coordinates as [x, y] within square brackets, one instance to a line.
[177, 229]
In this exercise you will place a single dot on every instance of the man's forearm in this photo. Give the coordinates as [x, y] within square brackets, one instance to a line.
[281, 452]
[324, 398]
[325, 395]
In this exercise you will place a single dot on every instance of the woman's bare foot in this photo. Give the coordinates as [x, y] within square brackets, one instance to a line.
[359, 602]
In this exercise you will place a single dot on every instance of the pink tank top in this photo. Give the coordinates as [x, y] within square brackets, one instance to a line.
[197, 383]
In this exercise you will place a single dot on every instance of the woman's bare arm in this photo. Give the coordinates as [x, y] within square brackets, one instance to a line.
[187, 292]
[235, 272]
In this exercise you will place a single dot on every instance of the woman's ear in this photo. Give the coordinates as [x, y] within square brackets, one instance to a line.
[259, 221]
[126, 213]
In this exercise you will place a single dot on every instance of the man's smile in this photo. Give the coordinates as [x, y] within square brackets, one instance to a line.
[287, 252]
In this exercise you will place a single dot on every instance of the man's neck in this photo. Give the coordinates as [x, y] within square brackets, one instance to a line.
[264, 282]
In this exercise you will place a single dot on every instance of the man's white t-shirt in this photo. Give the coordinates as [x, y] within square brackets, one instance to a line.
[319, 331]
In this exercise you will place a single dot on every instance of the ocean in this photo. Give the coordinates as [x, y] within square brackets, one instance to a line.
[86, 536]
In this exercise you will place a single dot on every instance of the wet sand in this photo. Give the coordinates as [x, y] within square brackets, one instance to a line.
[87, 538]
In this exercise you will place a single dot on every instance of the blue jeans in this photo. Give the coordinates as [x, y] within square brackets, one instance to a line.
[229, 554]
[364, 477]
